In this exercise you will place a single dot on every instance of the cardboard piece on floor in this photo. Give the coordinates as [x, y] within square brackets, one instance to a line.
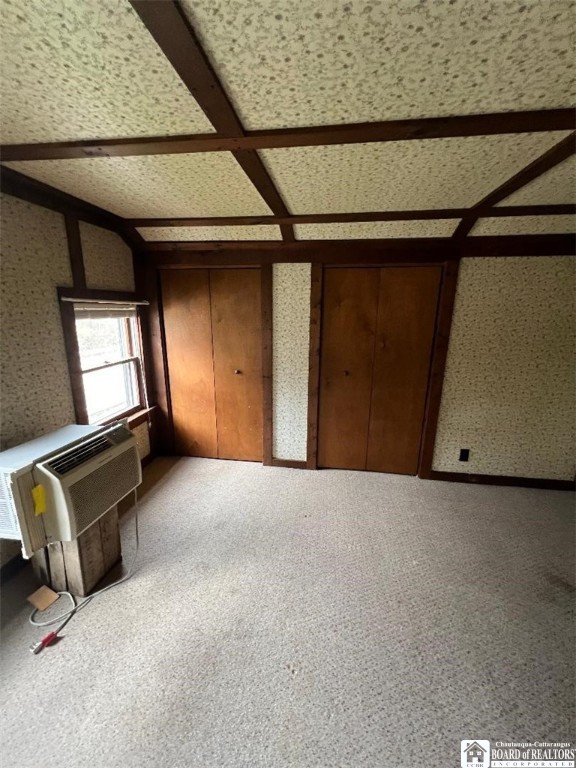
[43, 598]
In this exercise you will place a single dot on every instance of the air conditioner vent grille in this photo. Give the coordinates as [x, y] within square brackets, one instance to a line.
[8, 522]
[95, 493]
[79, 455]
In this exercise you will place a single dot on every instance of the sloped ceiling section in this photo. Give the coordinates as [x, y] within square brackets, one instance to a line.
[160, 186]
[376, 229]
[87, 69]
[525, 225]
[556, 186]
[289, 63]
[264, 232]
[434, 173]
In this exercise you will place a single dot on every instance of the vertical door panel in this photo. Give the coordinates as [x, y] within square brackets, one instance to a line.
[186, 305]
[237, 340]
[405, 333]
[350, 301]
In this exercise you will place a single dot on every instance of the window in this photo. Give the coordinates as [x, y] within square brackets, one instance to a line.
[110, 360]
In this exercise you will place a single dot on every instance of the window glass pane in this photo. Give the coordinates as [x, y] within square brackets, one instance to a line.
[110, 391]
[101, 340]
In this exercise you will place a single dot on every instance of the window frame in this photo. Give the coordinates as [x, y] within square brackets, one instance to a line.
[67, 297]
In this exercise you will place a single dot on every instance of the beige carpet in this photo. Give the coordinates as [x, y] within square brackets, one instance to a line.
[288, 619]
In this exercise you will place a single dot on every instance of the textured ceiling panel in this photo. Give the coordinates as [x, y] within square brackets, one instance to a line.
[525, 225]
[81, 69]
[288, 63]
[556, 186]
[211, 233]
[376, 229]
[435, 173]
[159, 186]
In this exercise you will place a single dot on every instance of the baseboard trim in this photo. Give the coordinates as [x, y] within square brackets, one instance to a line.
[289, 464]
[523, 482]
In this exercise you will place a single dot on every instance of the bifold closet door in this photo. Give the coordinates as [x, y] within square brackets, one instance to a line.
[404, 336]
[377, 336]
[188, 329]
[212, 323]
[237, 340]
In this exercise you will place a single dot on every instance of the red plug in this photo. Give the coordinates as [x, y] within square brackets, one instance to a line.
[49, 638]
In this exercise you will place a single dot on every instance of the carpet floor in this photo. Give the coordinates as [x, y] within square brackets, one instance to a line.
[289, 619]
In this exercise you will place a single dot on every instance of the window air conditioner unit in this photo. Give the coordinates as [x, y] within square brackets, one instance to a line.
[53, 488]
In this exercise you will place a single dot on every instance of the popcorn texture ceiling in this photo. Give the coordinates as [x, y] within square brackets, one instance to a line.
[92, 69]
[556, 186]
[156, 185]
[525, 225]
[81, 69]
[376, 229]
[289, 63]
[435, 173]
[264, 232]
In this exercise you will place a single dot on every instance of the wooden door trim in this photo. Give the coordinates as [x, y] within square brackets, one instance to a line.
[267, 363]
[316, 307]
[445, 311]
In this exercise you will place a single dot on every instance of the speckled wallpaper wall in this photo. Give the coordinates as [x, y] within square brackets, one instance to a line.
[35, 395]
[107, 259]
[510, 379]
[291, 340]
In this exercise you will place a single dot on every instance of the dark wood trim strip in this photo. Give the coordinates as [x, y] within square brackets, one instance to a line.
[446, 301]
[36, 192]
[73, 357]
[355, 133]
[406, 250]
[289, 464]
[334, 218]
[518, 245]
[527, 210]
[314, 364]
[523, 482]
[557, 154]
[149, 283]
[91, 294]
[245, 259]
[254, 168]
[167, 23]
[75, 251]
[140, 417]
[446, 247]
[267, 351]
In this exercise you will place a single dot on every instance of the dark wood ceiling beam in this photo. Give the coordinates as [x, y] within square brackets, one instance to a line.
[168, 25]
[334, 218]
[334, 251]
[226, 141]
[356, 133]
[554, 156]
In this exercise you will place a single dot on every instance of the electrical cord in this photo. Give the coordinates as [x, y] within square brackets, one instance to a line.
[65, 617]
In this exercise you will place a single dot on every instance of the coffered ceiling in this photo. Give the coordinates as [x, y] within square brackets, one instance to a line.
[123, 96]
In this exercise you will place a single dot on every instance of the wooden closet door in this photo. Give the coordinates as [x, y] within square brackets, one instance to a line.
[188, 328]
[237, 341]
[405, 333]
[350, 302]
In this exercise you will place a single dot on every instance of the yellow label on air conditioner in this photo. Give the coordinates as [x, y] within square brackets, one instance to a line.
[39, 498]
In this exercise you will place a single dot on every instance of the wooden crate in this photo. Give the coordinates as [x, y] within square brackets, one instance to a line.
[77, 566]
